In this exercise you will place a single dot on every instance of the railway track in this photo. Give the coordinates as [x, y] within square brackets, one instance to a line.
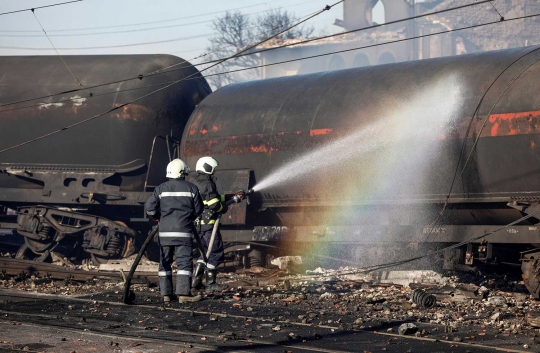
[173, 326]
[27, 268]
[206, 325]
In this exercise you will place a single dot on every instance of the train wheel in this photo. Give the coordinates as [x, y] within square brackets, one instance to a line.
[98, 260]
[25, 253]
[36, 246]
[120, 241]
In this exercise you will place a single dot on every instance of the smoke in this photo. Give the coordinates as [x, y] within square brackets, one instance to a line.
[420, 119]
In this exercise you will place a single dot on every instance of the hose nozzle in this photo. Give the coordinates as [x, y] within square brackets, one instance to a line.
[250, 191]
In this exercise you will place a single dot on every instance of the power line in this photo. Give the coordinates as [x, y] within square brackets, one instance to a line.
[440, 251]
[464, 144]
[60, 56]
[129, 45]
[117, 46]
[491, 110]
[377, 44]
[326, 8]
[264, 50]
[40, 7]
[497, 11]
[101, 33]
[210, 52]
[75, 99]
[161, 21]
[135, 24]
[362, 29]
[130, 30]
[120, 45]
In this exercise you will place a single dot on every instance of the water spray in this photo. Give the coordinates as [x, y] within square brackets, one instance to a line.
[423, 117]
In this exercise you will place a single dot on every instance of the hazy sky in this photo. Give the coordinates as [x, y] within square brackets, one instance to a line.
[189, 24]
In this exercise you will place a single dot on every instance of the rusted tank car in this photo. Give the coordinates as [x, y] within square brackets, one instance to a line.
[89, 180]
[468, 175]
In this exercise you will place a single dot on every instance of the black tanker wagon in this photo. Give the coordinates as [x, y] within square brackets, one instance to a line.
[434, 151]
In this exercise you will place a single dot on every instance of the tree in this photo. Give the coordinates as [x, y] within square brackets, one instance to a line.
[236, 31]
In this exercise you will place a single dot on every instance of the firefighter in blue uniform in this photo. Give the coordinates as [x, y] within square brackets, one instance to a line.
[214, 206]
[175, 204]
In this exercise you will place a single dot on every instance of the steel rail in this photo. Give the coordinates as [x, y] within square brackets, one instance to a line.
[138, 337]
[13, 293]
[177, 333]
[17, 267]
[140, 332]
[465, 344]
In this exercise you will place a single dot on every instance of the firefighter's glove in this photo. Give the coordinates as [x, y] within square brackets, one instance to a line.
[156, 217]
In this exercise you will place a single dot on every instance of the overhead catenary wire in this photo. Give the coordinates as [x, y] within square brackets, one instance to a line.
[131, 30]
[150, 43]
[39, 7]
[386, 265]
[272, 64]
[373, 45]
[326, 8]
[60, 56]
[464, 144]
[113, 46]
[382, 266]
[139, 77]
[497, 11]
[210, 52]
[356, 30]
[160, 21]
[440, 251]
[471, 152]
[78, 99]
[161, 71]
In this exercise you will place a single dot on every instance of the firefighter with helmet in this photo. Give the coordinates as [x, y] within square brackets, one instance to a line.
[175, 204]
[214, 205]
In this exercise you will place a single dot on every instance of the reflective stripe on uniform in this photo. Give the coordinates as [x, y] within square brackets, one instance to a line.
[220, 208]
[210, 266]
[174, 235]
[222, 198]
[151, 213]
[212, 221]
[211, 202]
[164, 273]
[176, 193]
[201, 261]
[184, 273]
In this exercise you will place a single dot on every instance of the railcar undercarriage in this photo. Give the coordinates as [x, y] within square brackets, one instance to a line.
[48, 229]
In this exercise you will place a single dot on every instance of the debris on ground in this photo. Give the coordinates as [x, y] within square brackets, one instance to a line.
[407, 329]
[289, 263]
[491, 305]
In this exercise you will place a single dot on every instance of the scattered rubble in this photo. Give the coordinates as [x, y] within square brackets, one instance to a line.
[289, 263]
[496, 305]
[423, 299]
[407, 329]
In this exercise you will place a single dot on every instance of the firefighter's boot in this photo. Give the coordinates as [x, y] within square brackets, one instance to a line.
[196, 282]
[211, 285]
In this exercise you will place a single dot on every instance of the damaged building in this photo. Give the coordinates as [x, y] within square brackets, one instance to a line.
[407, 40]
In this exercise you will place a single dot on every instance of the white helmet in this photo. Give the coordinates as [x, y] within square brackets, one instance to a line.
[176, 168]
[206, 165]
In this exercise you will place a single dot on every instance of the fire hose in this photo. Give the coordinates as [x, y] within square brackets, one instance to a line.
[234, 199]
[129, 296]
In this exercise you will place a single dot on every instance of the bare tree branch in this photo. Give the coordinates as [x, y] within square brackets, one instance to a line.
[235, 31]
